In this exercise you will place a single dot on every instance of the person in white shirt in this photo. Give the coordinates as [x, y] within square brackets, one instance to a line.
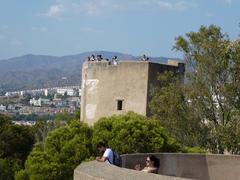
[107, 154]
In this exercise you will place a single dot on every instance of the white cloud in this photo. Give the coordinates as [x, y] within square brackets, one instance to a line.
[229, 2]
[55, 11]
[209, 14]
[89, 30]
[2, 36]
[15, 42]
[175, 5]
[170, 5]
[96, 7]
[40, 29]
[63, 8]
[4, 27]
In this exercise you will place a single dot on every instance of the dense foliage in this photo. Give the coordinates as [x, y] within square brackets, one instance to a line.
[65, 148]
[15, 144]
[67, 145]
[133, 133]
[170, 106]
[205, 110]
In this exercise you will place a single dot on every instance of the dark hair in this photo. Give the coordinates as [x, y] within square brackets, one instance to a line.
[156, 161]
[101, 144]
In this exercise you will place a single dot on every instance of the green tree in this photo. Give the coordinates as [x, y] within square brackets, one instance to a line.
[77, 114]
[6, 170]
[4, 120]
[43, 127]
[21, 175]
[64, 149]
[214, 61]
[2, 92]
[15, 144]
[25, 99]
[133, 133]
[64, 117]
[171, 107]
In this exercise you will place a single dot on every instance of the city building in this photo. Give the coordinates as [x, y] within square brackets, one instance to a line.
[67, 91]
[46, 92]
[39, 102]
[70, 90]
[116, 89]
[3, 108]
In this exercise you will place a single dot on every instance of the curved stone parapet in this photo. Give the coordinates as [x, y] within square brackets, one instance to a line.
[94, 170]
[195, 166]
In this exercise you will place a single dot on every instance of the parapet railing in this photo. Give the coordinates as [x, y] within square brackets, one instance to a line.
[173, 166]
[195, 166]
[94, 170]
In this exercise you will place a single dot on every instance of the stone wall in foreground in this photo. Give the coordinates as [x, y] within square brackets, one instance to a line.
[174, 166]
[195, 166]
[102, 171]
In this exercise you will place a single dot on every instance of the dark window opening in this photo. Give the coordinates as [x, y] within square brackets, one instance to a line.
[119, 105]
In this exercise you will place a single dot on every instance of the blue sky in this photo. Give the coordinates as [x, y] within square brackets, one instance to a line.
[64, 27]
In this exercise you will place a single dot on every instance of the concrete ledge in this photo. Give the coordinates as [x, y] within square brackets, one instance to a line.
[195, 166]
[102, 171]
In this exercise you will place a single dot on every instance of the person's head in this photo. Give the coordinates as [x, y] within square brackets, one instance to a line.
[101, 147]
[152, 161]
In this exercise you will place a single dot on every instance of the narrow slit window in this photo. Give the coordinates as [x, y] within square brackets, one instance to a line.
[119, 105]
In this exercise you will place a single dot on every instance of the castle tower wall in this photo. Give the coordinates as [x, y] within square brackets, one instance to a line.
[113, 89]
[109, 89]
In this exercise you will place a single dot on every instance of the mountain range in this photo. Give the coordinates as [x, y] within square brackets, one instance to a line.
[39, 71]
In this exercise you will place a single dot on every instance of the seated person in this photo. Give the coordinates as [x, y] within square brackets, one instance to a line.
[152, 165]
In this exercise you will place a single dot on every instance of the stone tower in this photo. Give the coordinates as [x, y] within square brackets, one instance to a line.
[109, 89]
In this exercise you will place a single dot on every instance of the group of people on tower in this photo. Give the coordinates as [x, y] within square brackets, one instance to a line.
[99, 58]
[114, 60]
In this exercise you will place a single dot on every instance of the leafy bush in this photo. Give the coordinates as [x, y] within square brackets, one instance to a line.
[22, 175]
[193, 150]
[65, 148]
[5, 170]
[15, 144]
[133, 133]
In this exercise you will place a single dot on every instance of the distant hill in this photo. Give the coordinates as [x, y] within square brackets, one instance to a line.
[38, 71]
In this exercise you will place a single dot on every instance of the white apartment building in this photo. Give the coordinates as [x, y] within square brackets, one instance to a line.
[3, 108]
[68, 91]
[39, 102]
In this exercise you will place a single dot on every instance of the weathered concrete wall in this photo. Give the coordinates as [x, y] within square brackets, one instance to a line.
[195, 166]
[103, 85]
[129, 81]
[154, 70]
[101, 171]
